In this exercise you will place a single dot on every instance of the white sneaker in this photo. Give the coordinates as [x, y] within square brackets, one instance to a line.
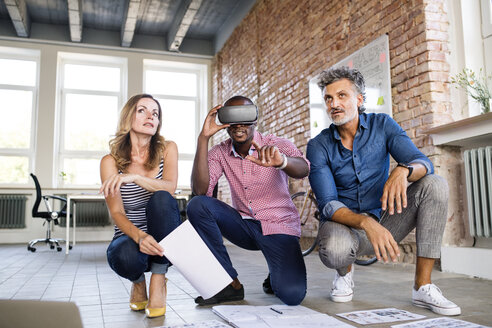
[430, 296]
[342, 287]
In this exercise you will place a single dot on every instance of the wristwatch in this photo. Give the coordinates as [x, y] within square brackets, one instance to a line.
[409, 167]
[284, 163]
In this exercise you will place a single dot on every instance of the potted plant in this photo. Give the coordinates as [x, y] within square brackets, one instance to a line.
[476, 86]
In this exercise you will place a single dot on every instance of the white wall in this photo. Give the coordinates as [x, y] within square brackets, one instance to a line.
[469, 48]
[467, 260]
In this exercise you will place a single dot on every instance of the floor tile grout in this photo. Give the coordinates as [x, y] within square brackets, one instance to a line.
[102, 296]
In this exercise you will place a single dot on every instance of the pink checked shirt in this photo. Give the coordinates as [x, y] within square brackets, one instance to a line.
[261, 193]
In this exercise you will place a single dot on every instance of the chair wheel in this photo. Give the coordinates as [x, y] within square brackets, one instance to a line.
[70, 246]
[52, 246]
[58, 249]
[32, 249]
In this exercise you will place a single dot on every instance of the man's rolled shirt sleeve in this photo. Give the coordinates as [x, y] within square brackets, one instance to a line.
[402, 149]
[331, 207]
[322, 181]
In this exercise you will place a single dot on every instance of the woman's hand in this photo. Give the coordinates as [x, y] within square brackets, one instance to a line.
[112, 185]
[148, 245]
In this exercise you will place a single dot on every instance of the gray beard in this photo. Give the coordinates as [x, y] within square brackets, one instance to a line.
[346, 119]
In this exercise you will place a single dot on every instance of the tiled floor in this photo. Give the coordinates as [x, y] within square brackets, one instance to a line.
[102, 297]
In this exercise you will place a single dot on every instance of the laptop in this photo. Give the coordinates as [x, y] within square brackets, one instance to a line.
[39, 314]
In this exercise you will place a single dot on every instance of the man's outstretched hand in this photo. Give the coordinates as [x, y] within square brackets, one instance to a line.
[268, 156]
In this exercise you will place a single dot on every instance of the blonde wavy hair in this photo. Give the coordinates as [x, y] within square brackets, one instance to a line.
[121, 144]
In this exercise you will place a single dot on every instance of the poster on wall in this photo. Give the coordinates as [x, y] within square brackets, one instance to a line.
[373, 62]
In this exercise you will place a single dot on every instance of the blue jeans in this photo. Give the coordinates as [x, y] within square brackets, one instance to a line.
[213, 219]
[124, 255]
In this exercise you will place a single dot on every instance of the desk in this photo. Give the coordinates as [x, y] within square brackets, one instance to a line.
[74, 198]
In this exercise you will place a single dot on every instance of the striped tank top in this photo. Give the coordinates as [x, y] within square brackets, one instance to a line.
[135, 200]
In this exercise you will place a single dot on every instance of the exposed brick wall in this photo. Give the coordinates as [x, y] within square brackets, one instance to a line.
[281, 45]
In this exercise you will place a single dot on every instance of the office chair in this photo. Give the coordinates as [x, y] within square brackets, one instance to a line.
[50, 217]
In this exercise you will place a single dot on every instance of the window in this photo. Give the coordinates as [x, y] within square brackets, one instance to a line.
[91, 91]
[180, 88]
[486, 8]
[18, 93]
[470, 32]
[487, 35]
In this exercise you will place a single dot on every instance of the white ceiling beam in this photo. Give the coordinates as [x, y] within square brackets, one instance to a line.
[20, 17]
[75, 15]
[128, 27]
[181, 23]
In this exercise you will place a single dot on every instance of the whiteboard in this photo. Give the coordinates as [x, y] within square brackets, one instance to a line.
[373, 62]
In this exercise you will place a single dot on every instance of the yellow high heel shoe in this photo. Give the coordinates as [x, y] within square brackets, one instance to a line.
[138, 306]
[156, 312]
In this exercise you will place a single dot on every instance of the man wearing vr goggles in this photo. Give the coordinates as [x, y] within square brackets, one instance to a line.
[263, 216]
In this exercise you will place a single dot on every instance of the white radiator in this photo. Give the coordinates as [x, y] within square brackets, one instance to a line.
[478, 175]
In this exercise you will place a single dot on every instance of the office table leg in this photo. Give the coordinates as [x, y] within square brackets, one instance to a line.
[68, 226]
[74, 221]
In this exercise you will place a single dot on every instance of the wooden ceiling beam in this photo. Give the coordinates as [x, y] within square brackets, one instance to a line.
[75, 15]
[128, 27]
[181, 23]
[20, 17]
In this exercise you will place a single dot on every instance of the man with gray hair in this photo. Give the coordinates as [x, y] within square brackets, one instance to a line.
[365, 211]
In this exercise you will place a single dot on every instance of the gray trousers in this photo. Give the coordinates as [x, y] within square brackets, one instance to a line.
[427, 206]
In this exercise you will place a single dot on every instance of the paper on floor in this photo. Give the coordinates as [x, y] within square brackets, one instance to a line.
[203, 324]
[440, 322]
[275, 316]
[380, 316]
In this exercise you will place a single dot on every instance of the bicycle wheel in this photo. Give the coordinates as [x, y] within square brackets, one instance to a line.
[308, 211]
[366, 260]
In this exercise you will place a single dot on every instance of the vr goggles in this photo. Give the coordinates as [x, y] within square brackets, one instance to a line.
[245, 114]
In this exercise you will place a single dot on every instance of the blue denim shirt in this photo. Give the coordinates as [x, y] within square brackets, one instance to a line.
[355, 179]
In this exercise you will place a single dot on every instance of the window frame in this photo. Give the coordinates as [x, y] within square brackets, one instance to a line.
[201, 98]
[486, 10]
[27, 55]
[65, 58]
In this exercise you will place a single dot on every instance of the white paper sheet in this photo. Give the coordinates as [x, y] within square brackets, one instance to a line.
[235, 313]
[380, 316]
[203, 324]
[191, 256]
[440, 322]
[319, 320]
[275, 316]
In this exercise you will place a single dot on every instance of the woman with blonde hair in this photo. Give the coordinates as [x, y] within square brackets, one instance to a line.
[138, 180]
